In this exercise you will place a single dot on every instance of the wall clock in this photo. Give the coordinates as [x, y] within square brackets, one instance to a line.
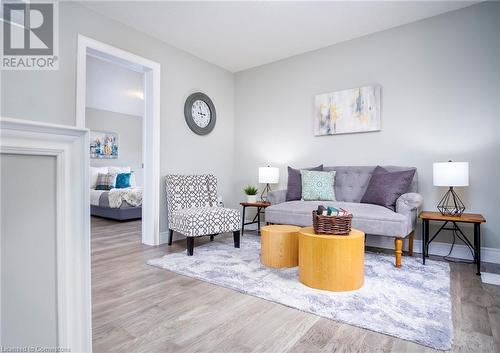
[199, 112]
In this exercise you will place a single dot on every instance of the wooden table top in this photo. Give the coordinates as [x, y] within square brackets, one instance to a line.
[309, 232]
[466, 217]
[256, 204]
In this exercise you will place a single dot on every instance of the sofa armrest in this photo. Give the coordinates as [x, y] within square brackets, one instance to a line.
[408, 205]
[276, 196]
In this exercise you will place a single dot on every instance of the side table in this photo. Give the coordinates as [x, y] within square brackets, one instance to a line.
[260, 207]
[474, 218]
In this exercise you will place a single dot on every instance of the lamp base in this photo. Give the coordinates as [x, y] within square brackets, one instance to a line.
[265, 191]
[450, 204]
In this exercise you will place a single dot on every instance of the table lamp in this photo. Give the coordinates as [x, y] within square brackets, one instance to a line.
[451, 174]
[268, 175]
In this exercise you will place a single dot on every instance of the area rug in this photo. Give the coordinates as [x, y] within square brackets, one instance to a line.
[411, 303]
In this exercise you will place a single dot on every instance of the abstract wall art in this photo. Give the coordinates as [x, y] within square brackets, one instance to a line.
[103, 145]
[347, 111]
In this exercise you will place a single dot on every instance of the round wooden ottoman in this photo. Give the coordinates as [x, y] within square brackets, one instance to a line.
[279, 246]
[332, 262]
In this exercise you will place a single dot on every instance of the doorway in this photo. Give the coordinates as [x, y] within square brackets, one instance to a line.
[150, 96]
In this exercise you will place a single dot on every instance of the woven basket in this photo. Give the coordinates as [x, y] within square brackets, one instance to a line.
[336, 225]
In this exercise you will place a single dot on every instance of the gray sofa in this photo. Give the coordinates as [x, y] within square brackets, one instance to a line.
[350, 186]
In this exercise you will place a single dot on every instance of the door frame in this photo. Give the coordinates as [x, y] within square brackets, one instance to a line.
[151, 122]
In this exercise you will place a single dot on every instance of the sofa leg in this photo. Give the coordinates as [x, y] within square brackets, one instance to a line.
[190, 245]
[236, 237]
[410, 244]
[170, 236]
[398, 250]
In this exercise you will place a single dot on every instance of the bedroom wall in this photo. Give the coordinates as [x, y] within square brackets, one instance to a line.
[129, 130]
[440, 81]
[114, 88]
[50, 96]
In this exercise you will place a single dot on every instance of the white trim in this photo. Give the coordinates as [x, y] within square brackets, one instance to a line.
[151, 122]
[490, 278]
[66, 144]
[460, 251]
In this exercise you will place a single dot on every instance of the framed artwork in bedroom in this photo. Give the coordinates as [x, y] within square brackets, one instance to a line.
[347, 111]
[103, 145]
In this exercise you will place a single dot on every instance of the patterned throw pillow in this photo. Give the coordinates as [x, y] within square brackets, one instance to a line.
[123, 180]
[318, 186]
[105, 181]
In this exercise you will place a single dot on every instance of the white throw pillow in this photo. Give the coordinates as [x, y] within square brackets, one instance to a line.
[118, 170]
[94, 172]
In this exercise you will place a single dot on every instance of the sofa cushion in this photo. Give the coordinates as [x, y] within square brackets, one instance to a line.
[371, 219]
[294, 183]
[386, 187]
[351, 182]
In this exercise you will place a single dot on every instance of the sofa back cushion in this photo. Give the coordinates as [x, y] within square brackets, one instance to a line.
[351, 182]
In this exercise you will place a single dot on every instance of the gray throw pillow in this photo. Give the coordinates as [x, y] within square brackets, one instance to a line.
[386, 187]
[294, 184]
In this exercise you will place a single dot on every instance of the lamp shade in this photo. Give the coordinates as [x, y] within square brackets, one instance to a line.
[450, 174]
[269, 175]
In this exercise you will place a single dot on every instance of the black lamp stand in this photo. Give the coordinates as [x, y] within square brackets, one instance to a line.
[450, 204]
[265, 191]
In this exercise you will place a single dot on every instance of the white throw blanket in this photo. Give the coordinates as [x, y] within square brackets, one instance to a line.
[133, 196]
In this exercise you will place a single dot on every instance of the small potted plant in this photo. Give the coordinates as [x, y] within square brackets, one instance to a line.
[251, 192]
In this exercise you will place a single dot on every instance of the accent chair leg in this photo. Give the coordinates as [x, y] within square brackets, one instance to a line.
[170, 236]
[398, 250]
[236, 236]
[190, 245]
[212, 237]
[410, 244]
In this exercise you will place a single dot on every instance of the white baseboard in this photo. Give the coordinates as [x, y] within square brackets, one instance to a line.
[460, 251]
[490, 278]
[164, 237]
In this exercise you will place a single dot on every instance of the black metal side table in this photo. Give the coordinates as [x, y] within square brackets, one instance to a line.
[261, 206]
[476, 219]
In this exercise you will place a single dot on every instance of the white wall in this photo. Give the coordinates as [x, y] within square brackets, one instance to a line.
[28, 251]
[440, 81]
[50, 96]
[129, 130]
[114, 88]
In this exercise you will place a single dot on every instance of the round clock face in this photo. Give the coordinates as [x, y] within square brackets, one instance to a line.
[200, 111]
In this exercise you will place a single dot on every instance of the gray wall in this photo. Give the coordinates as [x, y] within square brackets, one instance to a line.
[50, 96]
[129, 130]
[440, 81]
[28, 251]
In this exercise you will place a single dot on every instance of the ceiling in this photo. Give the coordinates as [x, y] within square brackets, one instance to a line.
[241, 35]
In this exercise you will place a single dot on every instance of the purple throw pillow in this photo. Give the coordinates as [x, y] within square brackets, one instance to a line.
[294, 185]
[386, 187]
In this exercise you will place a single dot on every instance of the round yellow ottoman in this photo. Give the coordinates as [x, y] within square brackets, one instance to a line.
[279, 246]
[332, 262]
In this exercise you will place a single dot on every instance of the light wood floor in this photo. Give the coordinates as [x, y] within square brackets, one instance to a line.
[139, 308]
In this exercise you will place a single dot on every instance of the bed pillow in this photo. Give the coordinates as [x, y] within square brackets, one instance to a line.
[123, 180]
[318, 186]
[105, 181]
[94, 172]
[118, 170]
[386, 187]
[294, 184]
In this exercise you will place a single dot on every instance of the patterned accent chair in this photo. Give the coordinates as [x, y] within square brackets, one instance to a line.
[193, 211]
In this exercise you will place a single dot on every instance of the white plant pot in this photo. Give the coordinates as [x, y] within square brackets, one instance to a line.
[251, 198]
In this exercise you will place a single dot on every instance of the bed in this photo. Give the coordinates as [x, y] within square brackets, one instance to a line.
[99, 206]
[100, 199]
